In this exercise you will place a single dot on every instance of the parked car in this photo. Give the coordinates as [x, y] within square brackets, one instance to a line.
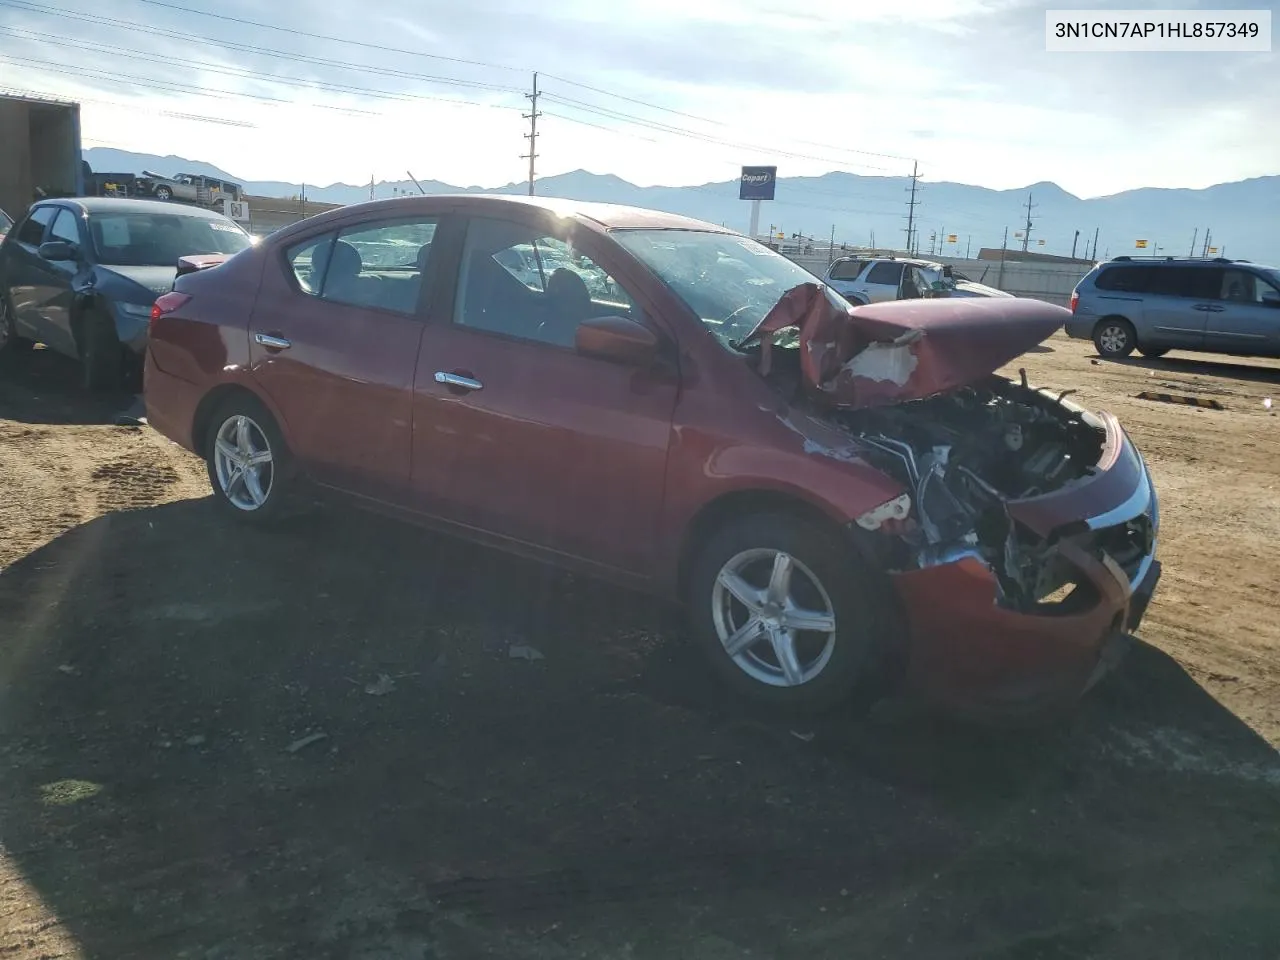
[863, 280]
[80, 275]
[844, 499]
[1178, 303]
[6, 224]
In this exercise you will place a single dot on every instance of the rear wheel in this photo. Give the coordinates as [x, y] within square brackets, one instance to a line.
[1114, 337]
[249, 465]
[786, 614]
[101, 355]
[164, 193]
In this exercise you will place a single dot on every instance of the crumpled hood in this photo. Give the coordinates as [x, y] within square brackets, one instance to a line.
[152, 280]
[902, 350]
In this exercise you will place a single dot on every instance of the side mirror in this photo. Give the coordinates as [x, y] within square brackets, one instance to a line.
[57, 250]
[1271, 299]
[619, 339]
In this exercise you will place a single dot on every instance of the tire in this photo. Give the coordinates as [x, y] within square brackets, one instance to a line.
[1114, 338]
[101, 355]
[263, 499]
[826, 578]
[9, 339]
[1152, 353]
[164, 193]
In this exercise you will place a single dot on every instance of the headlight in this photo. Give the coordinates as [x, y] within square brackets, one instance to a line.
[138, 311]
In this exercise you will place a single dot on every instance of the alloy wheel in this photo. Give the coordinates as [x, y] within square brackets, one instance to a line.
[243, 463]
[774, 618]
[1113, 338]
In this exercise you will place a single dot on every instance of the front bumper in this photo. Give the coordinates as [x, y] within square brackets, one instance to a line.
[969, 652]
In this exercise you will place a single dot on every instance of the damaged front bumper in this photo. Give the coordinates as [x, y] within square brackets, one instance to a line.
[972, 650]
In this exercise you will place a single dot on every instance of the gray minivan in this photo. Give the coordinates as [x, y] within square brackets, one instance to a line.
[1178, 303]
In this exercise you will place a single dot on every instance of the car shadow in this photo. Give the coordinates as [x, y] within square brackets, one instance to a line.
[1205, 367]
[41, 386]
[348, 738]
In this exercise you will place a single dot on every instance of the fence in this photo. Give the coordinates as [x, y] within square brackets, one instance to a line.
[1052, 282]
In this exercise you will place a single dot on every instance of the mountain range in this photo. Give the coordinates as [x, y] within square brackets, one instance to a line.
[867, 210]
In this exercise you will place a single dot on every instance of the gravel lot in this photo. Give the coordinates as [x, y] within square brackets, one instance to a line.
[164, 677]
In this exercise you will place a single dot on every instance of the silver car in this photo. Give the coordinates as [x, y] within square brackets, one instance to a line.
[876, 280]
[1178, 303]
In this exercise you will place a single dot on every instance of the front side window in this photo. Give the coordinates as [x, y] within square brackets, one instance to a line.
[65, 228]
[129, 239]
[728, 281]
[377, 265]
[1244, 286]
[32, 230]
[519, 282]
[888, 274]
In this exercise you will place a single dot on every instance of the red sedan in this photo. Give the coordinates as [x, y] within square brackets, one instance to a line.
[841, 497]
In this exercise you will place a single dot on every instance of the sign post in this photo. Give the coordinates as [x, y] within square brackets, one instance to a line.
[757, 183]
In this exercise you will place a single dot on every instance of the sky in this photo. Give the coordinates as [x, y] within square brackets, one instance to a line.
[654, 91]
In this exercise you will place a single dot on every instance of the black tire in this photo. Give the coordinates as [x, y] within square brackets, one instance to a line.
[101, 355]
[277, 485]
[164, 193]
[1152, 353]
[9, 339]
[857, 594]
[1114, 338]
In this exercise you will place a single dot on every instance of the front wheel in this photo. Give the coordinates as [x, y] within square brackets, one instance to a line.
[1114, 338]
[164, 193]
[101, 355]
[786, 614]
[9, 339]
[248, 463]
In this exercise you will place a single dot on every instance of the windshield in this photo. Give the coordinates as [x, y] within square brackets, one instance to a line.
[730, 282]
[160, 239]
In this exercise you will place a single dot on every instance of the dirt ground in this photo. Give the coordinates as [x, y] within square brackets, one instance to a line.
[219, 744]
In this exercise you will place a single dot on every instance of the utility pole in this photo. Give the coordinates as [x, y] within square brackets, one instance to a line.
[831, 250]
[942, 238]
[1208, 236]
[1195, 233]
[532, 136]
[1095, 243]
[371, 186]
[1004, 245]
[1073, 244]
[911, 204]
[967, 243]
[1026, 232]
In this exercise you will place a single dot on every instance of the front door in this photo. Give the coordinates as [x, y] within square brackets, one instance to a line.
[58, 279]
[25, 281]
[515, 433]
[1246, 318]
[334, 342]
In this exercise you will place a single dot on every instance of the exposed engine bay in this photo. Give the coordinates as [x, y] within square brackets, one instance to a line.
[964, 454]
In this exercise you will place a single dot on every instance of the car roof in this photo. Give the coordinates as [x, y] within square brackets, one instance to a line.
[606, 216]
[92, 205]
[1184, 262]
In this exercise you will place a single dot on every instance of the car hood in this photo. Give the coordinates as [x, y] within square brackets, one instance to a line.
[902, 350]
[971, 288]
[154, 280]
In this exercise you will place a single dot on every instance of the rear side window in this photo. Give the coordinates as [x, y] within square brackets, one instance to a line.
[1123, 279]
[846, 269]
[886, 273]
[32, 230]
[307, 260]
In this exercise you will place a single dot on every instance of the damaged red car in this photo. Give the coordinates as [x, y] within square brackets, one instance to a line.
[844, 499]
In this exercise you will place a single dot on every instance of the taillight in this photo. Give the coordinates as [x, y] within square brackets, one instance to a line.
[168, 303]
[1075, 298]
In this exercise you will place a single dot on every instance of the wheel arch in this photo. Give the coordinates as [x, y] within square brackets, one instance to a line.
[202, 419]
[728, 506]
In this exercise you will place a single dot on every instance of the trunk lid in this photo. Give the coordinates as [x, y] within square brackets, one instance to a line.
[902, 350]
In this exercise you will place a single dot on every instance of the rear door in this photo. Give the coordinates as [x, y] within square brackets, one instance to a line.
[882, 282]
[1245, 318]
[1175, 315]
[515, 433]
[334, 342]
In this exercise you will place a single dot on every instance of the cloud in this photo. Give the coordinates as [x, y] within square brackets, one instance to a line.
[966, 86]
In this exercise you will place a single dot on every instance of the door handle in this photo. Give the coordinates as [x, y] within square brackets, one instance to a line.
[272, 342]
[457, 380]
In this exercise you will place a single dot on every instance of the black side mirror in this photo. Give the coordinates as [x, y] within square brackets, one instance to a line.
[619, 339]
[57, 250]
[1271, 300]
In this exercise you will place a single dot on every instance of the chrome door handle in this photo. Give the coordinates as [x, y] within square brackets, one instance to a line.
[454, 380]
[275, 343]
